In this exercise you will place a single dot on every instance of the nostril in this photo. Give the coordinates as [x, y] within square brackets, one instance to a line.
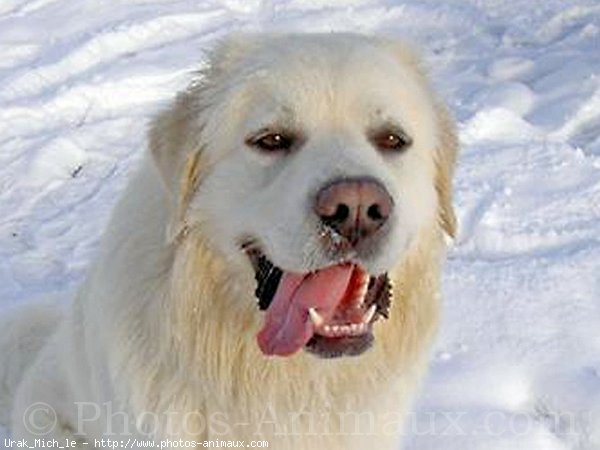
[374, 213]
[341, 214]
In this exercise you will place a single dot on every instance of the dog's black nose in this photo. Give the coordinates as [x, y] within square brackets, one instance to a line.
[355, 208]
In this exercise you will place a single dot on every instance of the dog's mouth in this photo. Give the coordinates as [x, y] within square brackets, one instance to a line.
[330, 312]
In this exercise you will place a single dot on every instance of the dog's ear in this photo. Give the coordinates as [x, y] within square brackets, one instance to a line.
[176, 134]
[171, 138]
[445, 161]
[176, 146]
[447, 147]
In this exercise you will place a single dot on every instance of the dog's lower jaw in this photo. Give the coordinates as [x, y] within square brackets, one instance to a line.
[215, 366]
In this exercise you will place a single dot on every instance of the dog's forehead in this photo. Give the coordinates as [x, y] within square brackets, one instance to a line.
[321, 83]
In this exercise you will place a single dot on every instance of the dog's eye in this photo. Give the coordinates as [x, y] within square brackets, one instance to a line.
[387, 140]
[273, 142]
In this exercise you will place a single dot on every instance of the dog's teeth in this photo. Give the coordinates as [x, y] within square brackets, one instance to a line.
[335, 329]
[363, 287]
[362, 292]
[365, 279]
[355, 328]
[327, 329]
[369, 314]
[316, 318]
[361, 328]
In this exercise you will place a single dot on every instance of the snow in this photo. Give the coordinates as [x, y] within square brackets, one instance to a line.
[517, 362]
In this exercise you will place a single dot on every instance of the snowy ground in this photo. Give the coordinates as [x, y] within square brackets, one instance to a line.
[517, 365]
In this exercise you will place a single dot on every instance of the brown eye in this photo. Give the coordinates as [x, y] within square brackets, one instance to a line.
[273, 142]
[387, 140]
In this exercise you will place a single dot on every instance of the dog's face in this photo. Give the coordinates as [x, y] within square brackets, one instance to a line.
[321, 165]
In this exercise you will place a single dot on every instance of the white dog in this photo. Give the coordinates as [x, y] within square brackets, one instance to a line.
[271, 272]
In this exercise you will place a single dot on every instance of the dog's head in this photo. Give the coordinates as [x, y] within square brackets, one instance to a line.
[315, 160]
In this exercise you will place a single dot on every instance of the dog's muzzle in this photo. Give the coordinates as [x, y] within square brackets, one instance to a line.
[330, 312]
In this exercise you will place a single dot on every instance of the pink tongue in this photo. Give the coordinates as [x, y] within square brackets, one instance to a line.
[287, 327]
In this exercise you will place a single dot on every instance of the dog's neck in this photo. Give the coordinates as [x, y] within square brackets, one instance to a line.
[211, 320]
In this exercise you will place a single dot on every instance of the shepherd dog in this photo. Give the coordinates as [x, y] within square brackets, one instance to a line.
[271, 274]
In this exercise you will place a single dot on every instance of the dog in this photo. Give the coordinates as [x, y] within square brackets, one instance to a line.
[270, 274]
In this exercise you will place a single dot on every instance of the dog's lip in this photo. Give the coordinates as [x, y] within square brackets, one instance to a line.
[335, 347]
[347, 331]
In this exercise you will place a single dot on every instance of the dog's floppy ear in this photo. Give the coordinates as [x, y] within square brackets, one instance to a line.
[447, 148]
[176, 134]
[176, 147]
[445, 160]
[172, 136]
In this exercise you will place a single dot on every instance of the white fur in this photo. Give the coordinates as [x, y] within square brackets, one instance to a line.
[166, 319]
